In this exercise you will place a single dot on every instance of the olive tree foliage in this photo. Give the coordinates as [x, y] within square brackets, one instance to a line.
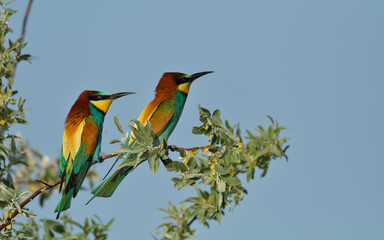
[21, 165]
[216, 170]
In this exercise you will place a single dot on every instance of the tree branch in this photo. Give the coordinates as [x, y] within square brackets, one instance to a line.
[28, 200]
[41, 190]
[102, 158]
[174, 148]
[26, 15]
[54, 184]
[192, 220]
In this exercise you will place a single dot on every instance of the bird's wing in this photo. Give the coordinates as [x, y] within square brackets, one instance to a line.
[158, 113]
[159, 116]
[77, 153]
[162, 115]
[71, 143]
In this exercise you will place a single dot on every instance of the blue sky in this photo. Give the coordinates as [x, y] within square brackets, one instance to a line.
[316, 66]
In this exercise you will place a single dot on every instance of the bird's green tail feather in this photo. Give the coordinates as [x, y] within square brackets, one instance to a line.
[109, 185]
[65, 202]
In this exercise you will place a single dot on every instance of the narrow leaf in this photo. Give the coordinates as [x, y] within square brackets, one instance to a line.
[117, 123]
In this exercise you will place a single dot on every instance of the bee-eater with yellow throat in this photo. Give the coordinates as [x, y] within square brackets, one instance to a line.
[163, 113]
[82, 141]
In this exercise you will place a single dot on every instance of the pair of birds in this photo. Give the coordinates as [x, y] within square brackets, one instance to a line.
[84, 125]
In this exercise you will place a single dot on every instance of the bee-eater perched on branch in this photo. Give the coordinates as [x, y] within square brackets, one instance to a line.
[163, 113]
[82, 141]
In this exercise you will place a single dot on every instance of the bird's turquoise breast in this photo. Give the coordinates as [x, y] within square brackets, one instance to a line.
[98, 116]
[180, 99]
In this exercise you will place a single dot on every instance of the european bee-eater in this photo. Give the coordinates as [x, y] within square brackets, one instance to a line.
[82, 141]
[163, 113]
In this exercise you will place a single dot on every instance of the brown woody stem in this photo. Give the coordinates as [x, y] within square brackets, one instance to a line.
[192, 220]
[39, 191]
[54, 184]
[26, 15]
[174, 148]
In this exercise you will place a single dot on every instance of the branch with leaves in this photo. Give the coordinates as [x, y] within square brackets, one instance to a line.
[18, 162]
[9, 194]
[23, 31]
[213, 170]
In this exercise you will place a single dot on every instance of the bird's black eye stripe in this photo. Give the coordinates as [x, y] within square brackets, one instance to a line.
[98, 97]
[181, 80]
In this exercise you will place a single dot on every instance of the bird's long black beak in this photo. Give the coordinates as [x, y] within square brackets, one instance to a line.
[197, 75]
[120, 94]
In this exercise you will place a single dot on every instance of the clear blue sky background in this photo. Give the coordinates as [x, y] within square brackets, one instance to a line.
[316, 66]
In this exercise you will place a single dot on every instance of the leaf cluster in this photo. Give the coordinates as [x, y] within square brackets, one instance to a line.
[10, 51]
[65, 229]
[144, 146]
[11, 108]
[21, 165]
[216, 170]
[178, 227]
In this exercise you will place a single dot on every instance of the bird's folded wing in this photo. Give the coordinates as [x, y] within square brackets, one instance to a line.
[162, 115]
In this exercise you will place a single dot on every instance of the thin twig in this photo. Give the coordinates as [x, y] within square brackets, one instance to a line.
[39, 191]
[42, 182]
[153, 236]
[23, 30]
[102, 158]
[51, 185]
[238, 171]
[174, 148]
[110, 169]
[28, 200]
[192, 220]
[108, 156]
[26, 15]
